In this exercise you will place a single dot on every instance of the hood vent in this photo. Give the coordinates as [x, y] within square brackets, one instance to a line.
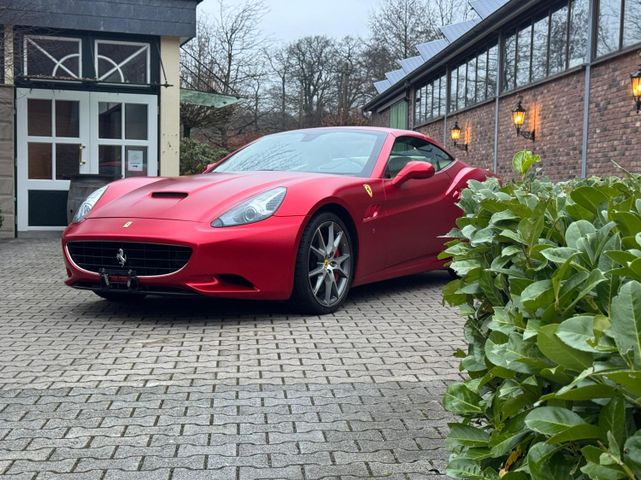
[169, 194]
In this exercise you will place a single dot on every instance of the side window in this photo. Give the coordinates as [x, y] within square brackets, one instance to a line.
[410, 149]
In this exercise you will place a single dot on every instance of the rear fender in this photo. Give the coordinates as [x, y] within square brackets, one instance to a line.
[464, 175]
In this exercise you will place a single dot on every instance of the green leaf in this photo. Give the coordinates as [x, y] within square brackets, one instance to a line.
[629, 380]
[626, 322]
[461, 400]
[589, 198]
[612, 419]
[578, 333]
[523, 161]
[576, 433]
[594, 470]
[552, 421]
[545, 462]
[464, 468]
[632, 453]
[553, 348]
[467, 436]
[537, 295]
[578, 230]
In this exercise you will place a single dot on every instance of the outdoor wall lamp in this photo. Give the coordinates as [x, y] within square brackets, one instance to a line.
[518, 117]
[455, 134]
[635, 77]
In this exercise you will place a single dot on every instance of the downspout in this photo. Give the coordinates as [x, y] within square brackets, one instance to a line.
[586, 92]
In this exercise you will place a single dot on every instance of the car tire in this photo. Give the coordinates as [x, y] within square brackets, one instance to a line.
[323, 268]
[120, 296]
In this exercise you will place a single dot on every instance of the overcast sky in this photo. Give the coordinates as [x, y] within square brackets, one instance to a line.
[289, 20]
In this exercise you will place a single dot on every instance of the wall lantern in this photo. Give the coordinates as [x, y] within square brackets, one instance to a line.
[635, 77]
[518, 117]
[455, 134]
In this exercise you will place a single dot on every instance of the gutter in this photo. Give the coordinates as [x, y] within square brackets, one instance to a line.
[498, 19]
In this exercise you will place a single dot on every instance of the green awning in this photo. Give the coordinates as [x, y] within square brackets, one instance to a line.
[206, 99]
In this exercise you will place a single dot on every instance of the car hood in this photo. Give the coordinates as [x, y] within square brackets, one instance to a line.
[199, 198]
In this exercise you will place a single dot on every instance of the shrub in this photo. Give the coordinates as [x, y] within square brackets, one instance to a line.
[195, 156]
[550, 283]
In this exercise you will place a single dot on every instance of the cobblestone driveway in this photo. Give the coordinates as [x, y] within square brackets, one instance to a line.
[208, 389]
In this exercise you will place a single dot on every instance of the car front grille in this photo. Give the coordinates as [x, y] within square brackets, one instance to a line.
[145, 259]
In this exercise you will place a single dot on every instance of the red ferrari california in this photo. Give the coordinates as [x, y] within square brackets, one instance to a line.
[301, 215]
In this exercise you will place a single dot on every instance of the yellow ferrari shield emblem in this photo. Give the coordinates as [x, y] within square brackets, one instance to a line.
[368, 189]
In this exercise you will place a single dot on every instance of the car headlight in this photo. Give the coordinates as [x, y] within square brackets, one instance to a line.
[88, 204]
[257, 208]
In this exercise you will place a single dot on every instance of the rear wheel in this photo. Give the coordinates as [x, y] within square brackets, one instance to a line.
[324, 265]
[120, 296]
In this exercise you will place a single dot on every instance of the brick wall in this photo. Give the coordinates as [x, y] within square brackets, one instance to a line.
[7, 181]
[555, 111]
[615, 127]
[380, 119]
[433, 130]
[477, 130]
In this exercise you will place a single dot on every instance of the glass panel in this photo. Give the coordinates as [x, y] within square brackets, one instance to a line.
[110, 120]
[40, 161]
[122, 63]
[418, 98]
[481, 76]
[510, 62]
[52, 57]
[558, 40]
[470, 97]
[578, 32]
[460, 96]
[632, 22]
[453, 89]
[443, 95]
[67, 118]
[608, 28]
[67, 160]
[492, 70]
[524, 47]
[135, 121]
[110, 160]
[540, 49]
[136, 161]
[39, 117]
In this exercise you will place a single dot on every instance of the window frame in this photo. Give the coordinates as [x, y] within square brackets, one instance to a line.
[147, 54]
[25, 55]
[450, 158]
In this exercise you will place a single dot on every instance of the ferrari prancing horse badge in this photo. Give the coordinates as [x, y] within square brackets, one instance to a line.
[368, 189]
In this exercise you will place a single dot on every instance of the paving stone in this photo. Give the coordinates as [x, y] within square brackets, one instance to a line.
[210, 389]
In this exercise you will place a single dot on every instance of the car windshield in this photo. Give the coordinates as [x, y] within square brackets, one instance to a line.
[340, 152]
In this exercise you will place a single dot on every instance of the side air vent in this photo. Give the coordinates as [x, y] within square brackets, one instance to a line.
[169, 194]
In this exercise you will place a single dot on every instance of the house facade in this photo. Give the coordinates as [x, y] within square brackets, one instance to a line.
[564, 65]
[86, 87]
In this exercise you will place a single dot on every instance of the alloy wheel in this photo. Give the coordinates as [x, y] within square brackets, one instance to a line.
[329, 264]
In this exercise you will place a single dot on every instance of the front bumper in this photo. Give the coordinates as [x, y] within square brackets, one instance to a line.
[254, 261]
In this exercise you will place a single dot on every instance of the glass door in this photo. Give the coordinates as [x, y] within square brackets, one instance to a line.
[52, 134]
[124, 135]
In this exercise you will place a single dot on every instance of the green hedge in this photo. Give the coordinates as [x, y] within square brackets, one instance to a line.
[550, 282]
[195, 156]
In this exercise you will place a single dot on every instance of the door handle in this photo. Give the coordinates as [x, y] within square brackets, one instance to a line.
[80, 159]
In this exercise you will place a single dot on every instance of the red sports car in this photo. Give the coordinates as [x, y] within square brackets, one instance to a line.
[301, 215]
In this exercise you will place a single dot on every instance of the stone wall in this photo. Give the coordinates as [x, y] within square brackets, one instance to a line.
[7, 164]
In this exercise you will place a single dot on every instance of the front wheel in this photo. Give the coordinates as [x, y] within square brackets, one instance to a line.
[324, 265]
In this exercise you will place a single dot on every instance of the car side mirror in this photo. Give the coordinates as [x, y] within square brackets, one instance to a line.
[413, 170]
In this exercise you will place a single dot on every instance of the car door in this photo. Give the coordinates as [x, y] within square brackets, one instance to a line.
[417, 211]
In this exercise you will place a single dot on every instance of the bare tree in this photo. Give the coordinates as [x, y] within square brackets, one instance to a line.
[401, 24]
[311, 60]
[223, 58]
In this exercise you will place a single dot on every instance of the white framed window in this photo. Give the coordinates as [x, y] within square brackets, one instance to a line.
[52, 57]
[122, 62]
